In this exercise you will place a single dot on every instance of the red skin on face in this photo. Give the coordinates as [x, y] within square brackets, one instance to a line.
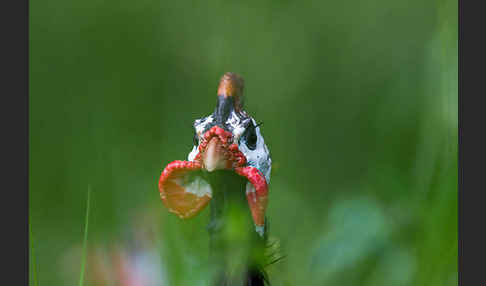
[257, 200]
[186, 204]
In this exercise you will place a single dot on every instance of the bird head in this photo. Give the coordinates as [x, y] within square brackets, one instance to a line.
[228, 139]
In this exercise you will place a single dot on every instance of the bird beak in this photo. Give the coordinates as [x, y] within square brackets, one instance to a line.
[214, 157]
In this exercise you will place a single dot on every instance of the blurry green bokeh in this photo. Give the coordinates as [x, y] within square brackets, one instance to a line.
[359, 104]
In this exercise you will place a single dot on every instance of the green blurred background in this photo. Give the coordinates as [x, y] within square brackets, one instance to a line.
[359, 104]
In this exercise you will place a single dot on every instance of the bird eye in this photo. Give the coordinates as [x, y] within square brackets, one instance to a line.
[195, 139]
[251, 137]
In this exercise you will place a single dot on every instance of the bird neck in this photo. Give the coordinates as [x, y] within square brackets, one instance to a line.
[236, 250]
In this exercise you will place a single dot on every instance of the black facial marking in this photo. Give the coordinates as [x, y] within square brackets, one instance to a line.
[250, 136]
[224, 106]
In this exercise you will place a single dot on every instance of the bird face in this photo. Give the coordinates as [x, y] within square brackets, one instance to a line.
[228, 139]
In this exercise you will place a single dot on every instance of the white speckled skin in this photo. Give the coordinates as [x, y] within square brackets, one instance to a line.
[237, 125]
[193, 154]
[258, 158]
[202, 124]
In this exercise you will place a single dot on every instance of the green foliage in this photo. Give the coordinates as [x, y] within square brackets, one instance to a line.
[85, 241]
[359, 104]
[33, 265]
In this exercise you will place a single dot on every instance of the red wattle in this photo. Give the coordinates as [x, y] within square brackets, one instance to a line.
[184, 194]
[257, 200]
[174, 193]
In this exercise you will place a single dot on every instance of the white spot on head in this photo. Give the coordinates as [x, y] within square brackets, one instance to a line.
[202, 124]
[193, 154]
[238, 131]
[237, 125]
[260, 157]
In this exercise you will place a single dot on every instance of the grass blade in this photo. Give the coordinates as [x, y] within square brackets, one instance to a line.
[85, 240]
[32, 255]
